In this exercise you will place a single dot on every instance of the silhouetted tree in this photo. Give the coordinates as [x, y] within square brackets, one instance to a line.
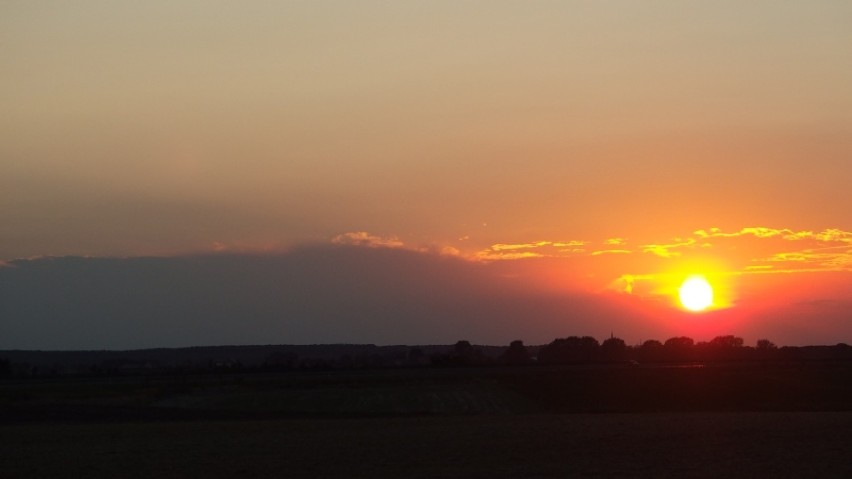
[681, 342]
[766, 349]
[729, 341]
[678, 348]
[572, 349]
[588, 347]
[650, 350]
[613, 349]
[724, 348]
[558, 351]
[517, 354]
[5, 368]
[463, 348]
[462, 354]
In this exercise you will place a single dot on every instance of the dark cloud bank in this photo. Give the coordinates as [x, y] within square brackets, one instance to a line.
[317, 294]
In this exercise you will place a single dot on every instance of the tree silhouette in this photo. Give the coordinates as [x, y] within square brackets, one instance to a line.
[572, 349]
[613, 349]
[516, 354]
[766, 349]
[650, 350]
[679, 348]
[463, 349]
[679, 342]
[463, 354]
[726, 342]
[724, 348]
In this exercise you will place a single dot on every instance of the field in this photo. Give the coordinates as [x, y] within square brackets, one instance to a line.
[727, 421]
[599, 445]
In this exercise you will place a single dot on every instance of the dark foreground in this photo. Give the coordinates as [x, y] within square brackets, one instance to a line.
[809, 444]
[720, 421]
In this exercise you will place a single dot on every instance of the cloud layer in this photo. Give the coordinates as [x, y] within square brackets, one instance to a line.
[363, 288]
[749, 248]
[319, 294]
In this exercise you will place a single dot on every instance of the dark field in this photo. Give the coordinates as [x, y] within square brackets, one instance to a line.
[600, 445]
[724, 421]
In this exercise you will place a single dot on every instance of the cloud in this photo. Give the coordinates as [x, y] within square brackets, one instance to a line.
[570, 243]
[668, 250]
[509, 247]
[744, 251]
[658, 266]
[625, 283]
[832, 235]
[611, 251]
[759, 232]
[315, 294]
[835, 235]
[253, 247]
[362, 238]
[758, 267]
[535, 249]
[811, 260]
[364, 288]
[488, 255]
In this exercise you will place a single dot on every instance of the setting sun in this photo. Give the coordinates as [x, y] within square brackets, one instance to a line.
[695, 293]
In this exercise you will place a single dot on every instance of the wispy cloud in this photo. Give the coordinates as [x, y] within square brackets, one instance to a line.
[809, 260]
[832, 235]
[490, 255]
[568, 244]
[748, 251]
[785, 250]
[744, 251]
[625, 283]
[535, 249]
[650, 268]
[762, 249]
[669, 250]
[611, 251]
[363, 238]
[509, 247]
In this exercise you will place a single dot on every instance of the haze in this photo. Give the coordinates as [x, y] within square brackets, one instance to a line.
[591, 148]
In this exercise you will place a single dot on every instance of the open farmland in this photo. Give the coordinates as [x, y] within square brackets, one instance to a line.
[599, 445]
[733, 420]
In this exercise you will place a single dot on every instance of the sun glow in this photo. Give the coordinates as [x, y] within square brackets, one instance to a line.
[696, 294]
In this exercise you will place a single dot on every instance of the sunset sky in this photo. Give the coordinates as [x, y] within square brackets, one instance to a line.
[563, 165]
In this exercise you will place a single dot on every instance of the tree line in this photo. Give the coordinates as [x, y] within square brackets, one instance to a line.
[678, 349]
[571, 350]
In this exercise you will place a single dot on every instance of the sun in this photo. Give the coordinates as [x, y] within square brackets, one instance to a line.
[695, 293]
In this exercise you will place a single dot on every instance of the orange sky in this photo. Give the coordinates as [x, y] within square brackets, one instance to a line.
[615, 145]
[759, 276]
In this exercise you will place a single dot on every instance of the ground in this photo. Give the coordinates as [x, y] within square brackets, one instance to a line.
[716, 421]
[800, 444]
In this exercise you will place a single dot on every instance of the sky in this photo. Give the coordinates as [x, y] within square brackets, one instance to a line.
[573, 160]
